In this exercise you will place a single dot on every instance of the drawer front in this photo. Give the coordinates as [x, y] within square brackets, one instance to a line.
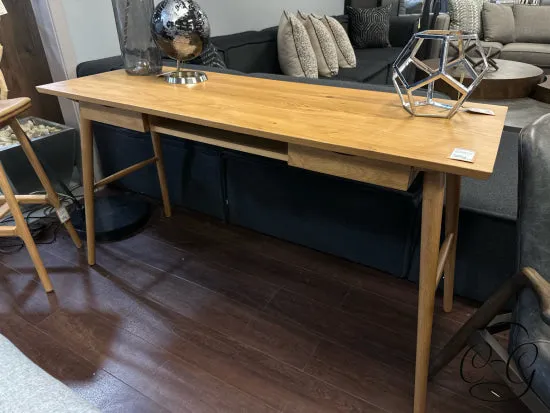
[116, 117]
[352, 167]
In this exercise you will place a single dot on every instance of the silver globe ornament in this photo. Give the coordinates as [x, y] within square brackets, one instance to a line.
[182, 30]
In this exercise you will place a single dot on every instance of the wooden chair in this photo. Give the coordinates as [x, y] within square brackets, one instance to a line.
[9, 202]
[525, 366]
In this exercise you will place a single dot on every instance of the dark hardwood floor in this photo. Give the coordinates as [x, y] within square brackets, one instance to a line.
[192, 315]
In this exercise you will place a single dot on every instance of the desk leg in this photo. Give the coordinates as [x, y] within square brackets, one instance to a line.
[452, 208]
[432, 211]
[87, 148]
[157, 147]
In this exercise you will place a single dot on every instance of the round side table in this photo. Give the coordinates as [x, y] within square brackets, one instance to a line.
[512, 80]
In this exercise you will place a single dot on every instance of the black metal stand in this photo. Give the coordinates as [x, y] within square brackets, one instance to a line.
[116, 216]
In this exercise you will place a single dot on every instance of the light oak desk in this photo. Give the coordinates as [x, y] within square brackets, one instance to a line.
[356, 134]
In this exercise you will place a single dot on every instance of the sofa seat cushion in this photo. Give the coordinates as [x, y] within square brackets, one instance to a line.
[537, 54]
[492, 49]
[369, 63]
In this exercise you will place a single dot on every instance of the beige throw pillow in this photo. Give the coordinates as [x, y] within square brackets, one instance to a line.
[532, 24]
[296, 54]
[344, 49]
[323, 44]
[498, 23]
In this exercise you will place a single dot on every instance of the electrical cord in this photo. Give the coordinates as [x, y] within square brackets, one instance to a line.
[48, 219]
[45, 224]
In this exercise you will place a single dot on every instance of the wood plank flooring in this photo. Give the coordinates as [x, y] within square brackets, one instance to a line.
[192, 315]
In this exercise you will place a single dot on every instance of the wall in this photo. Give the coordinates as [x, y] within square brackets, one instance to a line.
[91, 25]
[75, 31]
[92, 28]
[231, 16]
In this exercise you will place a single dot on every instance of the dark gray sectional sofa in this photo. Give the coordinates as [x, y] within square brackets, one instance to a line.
[371, 225]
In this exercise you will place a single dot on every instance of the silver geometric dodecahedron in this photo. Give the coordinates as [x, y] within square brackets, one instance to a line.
[460, 43]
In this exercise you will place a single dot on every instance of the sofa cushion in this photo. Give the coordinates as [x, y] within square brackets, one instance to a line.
[491, 48]
[210, 57]
[371, 4]
[296, 54]
[252, 51]
[323, 44]
[532, 23]
[537, 54]
[498, 23]
[466, 15]
[369, 27]
[369, 63]
[344, 49]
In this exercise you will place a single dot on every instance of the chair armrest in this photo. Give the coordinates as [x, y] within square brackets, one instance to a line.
[542, 288]
[402, 29]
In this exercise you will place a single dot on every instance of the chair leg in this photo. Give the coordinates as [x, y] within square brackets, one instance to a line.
[479, 320]
[44, 180]
[157, 147]
[23, 230]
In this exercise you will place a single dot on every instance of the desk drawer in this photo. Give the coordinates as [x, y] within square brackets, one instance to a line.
[116, 117]
[352, 167]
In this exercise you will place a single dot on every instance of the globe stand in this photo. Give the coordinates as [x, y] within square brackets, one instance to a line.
[185, 77]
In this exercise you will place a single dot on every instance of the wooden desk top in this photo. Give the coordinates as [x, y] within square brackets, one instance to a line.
[356, 122]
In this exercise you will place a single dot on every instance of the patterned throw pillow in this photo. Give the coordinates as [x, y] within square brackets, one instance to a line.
[209, 57]
[344, 49]
[369, 27]
[296, 54]
[323, 44]
[466, 16]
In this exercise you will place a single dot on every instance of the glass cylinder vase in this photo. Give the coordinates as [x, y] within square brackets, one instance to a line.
[140, 53]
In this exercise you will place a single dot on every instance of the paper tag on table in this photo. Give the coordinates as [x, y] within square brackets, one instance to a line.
[480, 111]
[463, 155]
[63, 215]
[2, 9]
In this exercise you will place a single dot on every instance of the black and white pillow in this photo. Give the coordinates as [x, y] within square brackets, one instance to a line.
[369, 27]
[209, 57]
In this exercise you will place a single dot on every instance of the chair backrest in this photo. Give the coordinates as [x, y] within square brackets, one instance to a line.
[529, 332]
[534, 197]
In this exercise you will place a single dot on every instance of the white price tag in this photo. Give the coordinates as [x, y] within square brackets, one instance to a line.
[63, 215]
[2, 9]
[464, 155]
[480, 111]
